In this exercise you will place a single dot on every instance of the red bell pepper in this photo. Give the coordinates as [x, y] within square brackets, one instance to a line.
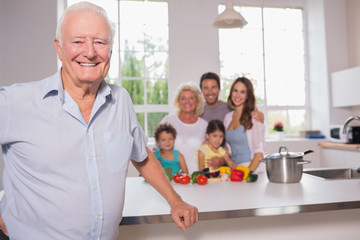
[236, 175]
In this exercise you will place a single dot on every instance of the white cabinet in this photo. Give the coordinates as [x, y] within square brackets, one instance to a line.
[331, 157]
[345, 87]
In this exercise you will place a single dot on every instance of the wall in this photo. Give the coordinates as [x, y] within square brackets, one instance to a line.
[193, 42]
[353, 20]
[328, 52]
[27, 53]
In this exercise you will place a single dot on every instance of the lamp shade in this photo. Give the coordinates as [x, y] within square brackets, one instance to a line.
[229, 18]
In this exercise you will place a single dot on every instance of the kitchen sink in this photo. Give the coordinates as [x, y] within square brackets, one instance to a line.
[333, 173]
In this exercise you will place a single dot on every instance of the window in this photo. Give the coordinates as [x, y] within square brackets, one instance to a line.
[269, 50]
[140, 55]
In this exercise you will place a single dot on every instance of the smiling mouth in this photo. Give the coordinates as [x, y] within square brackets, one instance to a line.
[88, 64]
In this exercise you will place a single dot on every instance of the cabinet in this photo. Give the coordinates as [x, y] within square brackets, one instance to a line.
[345, 87]
[331, 157]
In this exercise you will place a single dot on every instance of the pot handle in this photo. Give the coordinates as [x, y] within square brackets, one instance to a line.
[308, 151]
[286, 150]
[303, 162]
[263, 160]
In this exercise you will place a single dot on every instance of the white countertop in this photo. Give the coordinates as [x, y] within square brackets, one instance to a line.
[236, 199]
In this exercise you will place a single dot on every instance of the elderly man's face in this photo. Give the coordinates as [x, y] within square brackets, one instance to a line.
[86, 49]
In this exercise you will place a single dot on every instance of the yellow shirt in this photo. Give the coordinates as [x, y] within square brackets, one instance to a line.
[208, 153]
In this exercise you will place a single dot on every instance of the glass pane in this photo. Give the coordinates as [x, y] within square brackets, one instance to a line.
[283, 18]
[135, 89]
[284, 66]
[132, 64]
[156, 25]
[259, 88]
[154, 119]
[157, 91]
[283, 92]
[156, 65]
[253, 16]
[132, 25]
[276, 116]
[141, 119]
[225, 88]
[297, 121]
[114, 65]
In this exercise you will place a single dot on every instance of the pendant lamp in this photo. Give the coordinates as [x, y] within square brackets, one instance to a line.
[229, 18]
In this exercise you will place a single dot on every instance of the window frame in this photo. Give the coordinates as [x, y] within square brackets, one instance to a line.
[297, 4]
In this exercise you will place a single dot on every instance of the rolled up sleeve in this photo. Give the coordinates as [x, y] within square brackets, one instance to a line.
[4, 115]
[256, 138]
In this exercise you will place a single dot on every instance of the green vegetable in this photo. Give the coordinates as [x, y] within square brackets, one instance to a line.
[252, 177]
[194, 176]
[168, 172]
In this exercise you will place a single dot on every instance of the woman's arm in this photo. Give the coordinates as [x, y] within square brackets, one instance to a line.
[183, 164]
[229, 161]
[255, 161]
[257, 115]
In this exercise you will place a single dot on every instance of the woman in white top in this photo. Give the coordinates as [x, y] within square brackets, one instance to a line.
[244, 135]
[189, 126]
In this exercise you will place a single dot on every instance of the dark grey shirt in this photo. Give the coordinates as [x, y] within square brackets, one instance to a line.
[218, 112]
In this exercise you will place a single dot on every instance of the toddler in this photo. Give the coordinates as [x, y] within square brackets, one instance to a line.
[214, 146]
[165, 135]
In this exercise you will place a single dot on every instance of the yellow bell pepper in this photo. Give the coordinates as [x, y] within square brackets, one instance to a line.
[224, 170]
[246, 170]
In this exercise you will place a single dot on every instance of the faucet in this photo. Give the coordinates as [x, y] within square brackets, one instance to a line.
[348, 121]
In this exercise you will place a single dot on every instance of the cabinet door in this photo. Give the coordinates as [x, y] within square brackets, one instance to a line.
[353, 159]
[330, 157]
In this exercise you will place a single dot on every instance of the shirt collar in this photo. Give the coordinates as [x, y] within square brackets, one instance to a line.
[54, 86]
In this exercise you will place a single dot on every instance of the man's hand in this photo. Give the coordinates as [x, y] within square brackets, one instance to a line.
[258, 116]
[215, 162]
[2, 227]
[184, 215]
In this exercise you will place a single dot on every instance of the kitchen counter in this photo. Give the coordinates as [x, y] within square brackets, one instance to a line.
[241, 199]
[339, 145]
[241, 203]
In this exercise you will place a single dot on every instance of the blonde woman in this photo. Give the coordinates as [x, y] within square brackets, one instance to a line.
[189, 126]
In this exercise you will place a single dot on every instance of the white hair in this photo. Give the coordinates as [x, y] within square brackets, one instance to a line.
[85, 6]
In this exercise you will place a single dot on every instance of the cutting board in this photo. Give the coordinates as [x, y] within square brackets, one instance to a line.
[339, 145]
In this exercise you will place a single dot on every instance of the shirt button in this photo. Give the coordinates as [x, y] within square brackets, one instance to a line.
[97, 217]
[90, 158]
[95, 187]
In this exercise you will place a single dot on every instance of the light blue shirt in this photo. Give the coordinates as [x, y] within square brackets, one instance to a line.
[64, 178]
[240, 151]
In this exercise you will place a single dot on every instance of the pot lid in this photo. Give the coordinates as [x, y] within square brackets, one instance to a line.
[283, 152]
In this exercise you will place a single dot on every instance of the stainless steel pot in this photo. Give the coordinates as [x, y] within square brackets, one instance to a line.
[285, 166]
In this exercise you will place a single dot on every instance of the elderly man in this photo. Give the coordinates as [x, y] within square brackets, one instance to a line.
[67, 141]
